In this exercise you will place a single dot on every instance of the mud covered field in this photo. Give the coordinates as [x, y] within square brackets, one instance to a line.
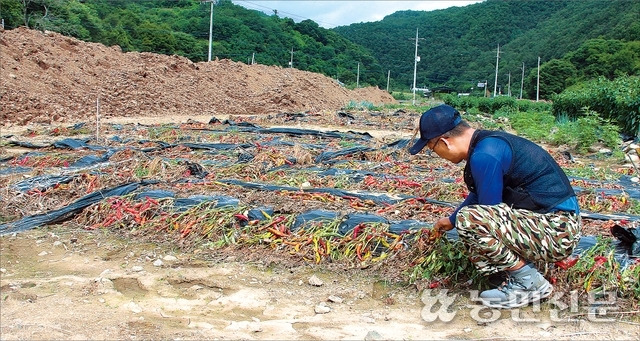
[249, 202]
[176, 275]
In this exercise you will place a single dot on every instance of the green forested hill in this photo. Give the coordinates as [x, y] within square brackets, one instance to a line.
[575, 40]
[459, 45]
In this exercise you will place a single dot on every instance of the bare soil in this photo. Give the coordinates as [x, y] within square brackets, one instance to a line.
[64, 282]
[77, 285]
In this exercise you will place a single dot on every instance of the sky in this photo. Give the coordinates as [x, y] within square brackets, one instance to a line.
[332, 13]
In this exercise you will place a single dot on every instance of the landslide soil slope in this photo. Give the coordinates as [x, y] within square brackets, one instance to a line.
[48, 77]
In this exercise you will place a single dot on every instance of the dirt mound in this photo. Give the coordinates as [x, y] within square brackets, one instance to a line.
[48, 77]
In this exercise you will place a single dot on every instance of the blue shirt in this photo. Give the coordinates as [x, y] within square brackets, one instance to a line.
[491, 160]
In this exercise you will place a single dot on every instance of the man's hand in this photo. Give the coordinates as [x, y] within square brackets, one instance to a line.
[442, 225]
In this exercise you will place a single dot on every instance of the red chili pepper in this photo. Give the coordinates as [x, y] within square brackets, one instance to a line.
[116, 204]
[187, 229]
[241, 217]
[434, 284]
[323, 247]
[275, 232]
[23, 161]
[599, 260]
[356, 230]
[153, 201]
[387, 207]
[370, 180]
[131, 210]
[282, 228]
[185, 232]
[109, 221]
[275, 221]
[409, 183]
[566, 264]
[35, 191]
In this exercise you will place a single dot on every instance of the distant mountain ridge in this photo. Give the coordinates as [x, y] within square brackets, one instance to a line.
[457, 46]
[460, 43]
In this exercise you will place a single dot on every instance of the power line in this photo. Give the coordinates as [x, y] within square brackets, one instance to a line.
[291, 15]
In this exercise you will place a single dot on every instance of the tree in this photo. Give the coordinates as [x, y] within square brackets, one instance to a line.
[34, 11]
[156, 38]
[555, 76]
[11, 12]
[75, 19]
[118, 36]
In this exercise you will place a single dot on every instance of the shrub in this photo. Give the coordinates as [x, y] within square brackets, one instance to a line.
[585, 131]
[617, 101]
[353, 105]
[528, 105]
[537, 126]
[400, 96]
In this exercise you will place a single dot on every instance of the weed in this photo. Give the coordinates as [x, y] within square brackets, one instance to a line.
[594, 173]
[596, 269]
[444, 262]
[589, 129]
[166, 133]
[634, 206]
[360, 106]
[629, 280]
[536, 126]
[400, 96]
[141, 172]
[347, 144]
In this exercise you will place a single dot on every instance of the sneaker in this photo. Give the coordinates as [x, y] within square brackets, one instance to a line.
[523, 286]
[496, 279]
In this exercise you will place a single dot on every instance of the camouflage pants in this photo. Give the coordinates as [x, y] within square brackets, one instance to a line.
[498, 236]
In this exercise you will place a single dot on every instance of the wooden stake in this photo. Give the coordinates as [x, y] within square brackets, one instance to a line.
[97, 119]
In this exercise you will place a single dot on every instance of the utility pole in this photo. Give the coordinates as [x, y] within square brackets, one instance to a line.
[358, 77]
[538, 85]
[98, 119]
[416, 59]
[388, 75]
[522, 81]
[253, 58]
[210, 28]
[495, 85]
[509, 86]
[291, 62]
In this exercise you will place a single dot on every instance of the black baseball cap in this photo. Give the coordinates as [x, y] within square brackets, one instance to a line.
[435, 122]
